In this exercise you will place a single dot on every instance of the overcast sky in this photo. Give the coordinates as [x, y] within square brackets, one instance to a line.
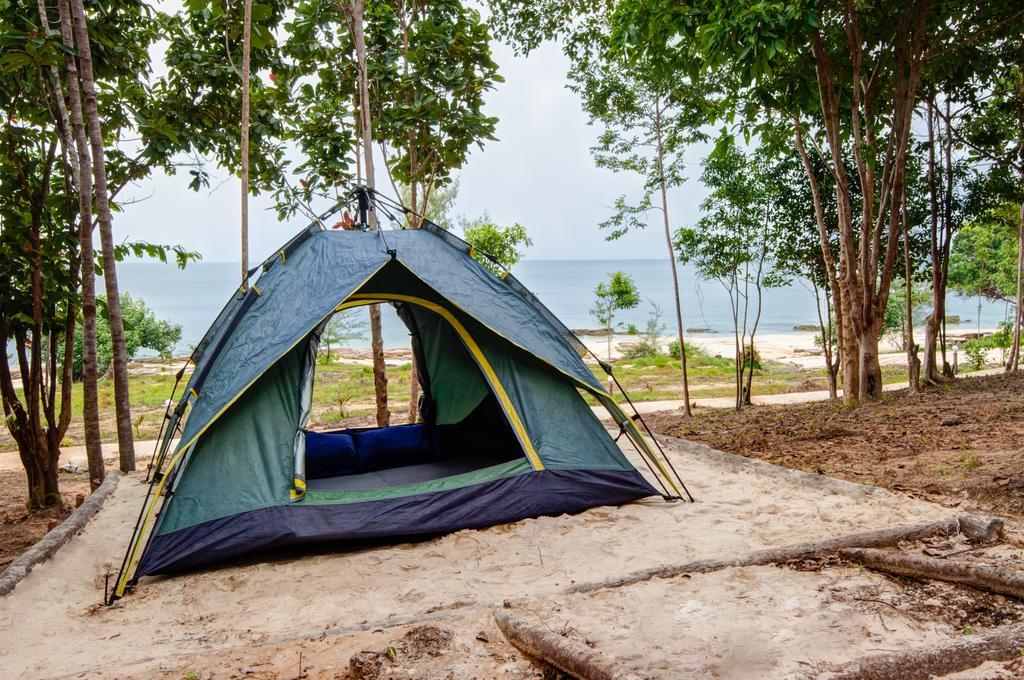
[539, 173]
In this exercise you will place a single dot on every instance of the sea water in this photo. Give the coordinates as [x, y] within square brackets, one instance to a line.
[192, 297]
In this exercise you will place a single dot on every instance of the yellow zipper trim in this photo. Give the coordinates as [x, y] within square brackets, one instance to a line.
[478, 355]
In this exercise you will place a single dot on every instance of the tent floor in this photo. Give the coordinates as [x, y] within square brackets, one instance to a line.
[452, 464]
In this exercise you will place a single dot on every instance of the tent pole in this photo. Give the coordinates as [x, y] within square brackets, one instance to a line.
[159, 449]
[651, 435]
[665, 492]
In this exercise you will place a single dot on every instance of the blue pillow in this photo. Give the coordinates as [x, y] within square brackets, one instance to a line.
[330, 454]
[389, 447]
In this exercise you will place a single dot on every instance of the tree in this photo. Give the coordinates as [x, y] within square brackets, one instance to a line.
[647, 119]
[983, 261]
[343, 327]
[38, 273]
[101, 193]
[432, 68]
[504, 244]
[730, 243]
[47, 169]
[78, 156]
[840, 76]
[796, 241]
[992, 128]
[365, 129]
[143, 330]
[244, 171]
[612, 295]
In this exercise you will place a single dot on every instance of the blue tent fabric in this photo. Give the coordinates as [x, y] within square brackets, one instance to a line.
[295, 295]
[551, 492]
[510, 437]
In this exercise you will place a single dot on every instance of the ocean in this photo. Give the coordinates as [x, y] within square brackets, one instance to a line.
[193, 297]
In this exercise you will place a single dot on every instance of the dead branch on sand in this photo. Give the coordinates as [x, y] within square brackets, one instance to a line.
[982, 576]
[972, 526]
[922, 663]
[569, 657]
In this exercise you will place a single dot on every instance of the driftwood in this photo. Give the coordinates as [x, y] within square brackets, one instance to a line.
[922, 663]
[981, 528]
[878, 538]
[983, 576]
[568, 656]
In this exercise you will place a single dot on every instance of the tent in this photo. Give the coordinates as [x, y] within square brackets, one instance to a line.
[505, 432]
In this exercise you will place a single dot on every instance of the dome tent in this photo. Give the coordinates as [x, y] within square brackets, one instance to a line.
[505, 435]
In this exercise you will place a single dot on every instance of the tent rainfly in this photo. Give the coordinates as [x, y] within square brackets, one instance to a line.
[505, 432]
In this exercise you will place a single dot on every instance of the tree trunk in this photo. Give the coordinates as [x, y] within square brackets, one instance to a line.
[870, 378]
[671, 258]
[380, 377]
[932, 323]
[90, 372]
[43, 491]
[122, 403]
[913, 363]
[246, 49]
[1013, 359]
[826, 339]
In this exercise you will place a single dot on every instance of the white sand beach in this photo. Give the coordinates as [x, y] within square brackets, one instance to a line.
[253, 619]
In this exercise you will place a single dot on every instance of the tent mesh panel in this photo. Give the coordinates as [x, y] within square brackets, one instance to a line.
[513, 283]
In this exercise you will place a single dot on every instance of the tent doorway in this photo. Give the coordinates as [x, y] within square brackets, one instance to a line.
[467, 422]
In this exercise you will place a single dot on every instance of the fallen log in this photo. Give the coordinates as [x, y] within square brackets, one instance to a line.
[877, 538]
[981, 528]
[982, 576]
[568, 656]
[923, 663]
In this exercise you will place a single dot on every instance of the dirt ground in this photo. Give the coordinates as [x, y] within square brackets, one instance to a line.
[960, 444]
[19, 528]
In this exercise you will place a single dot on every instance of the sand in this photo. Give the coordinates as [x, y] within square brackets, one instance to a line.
[253, 619]
[796, 348]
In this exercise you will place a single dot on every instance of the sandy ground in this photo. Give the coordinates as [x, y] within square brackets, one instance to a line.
[796, 348]
[253, 619]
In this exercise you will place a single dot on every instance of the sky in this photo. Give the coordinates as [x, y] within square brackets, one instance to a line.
[538, 173]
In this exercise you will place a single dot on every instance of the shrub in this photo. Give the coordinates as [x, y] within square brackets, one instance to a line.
[974, 354]
[142, 330]
[649, 344]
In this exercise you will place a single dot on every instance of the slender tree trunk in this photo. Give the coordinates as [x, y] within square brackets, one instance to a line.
[1013, 359]
[671, 257]
[826, 338]
[44, 493]
[913, 363]
[246, 49]
[380, 377]
[90, 372]
[122, 403]
[932, 323]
